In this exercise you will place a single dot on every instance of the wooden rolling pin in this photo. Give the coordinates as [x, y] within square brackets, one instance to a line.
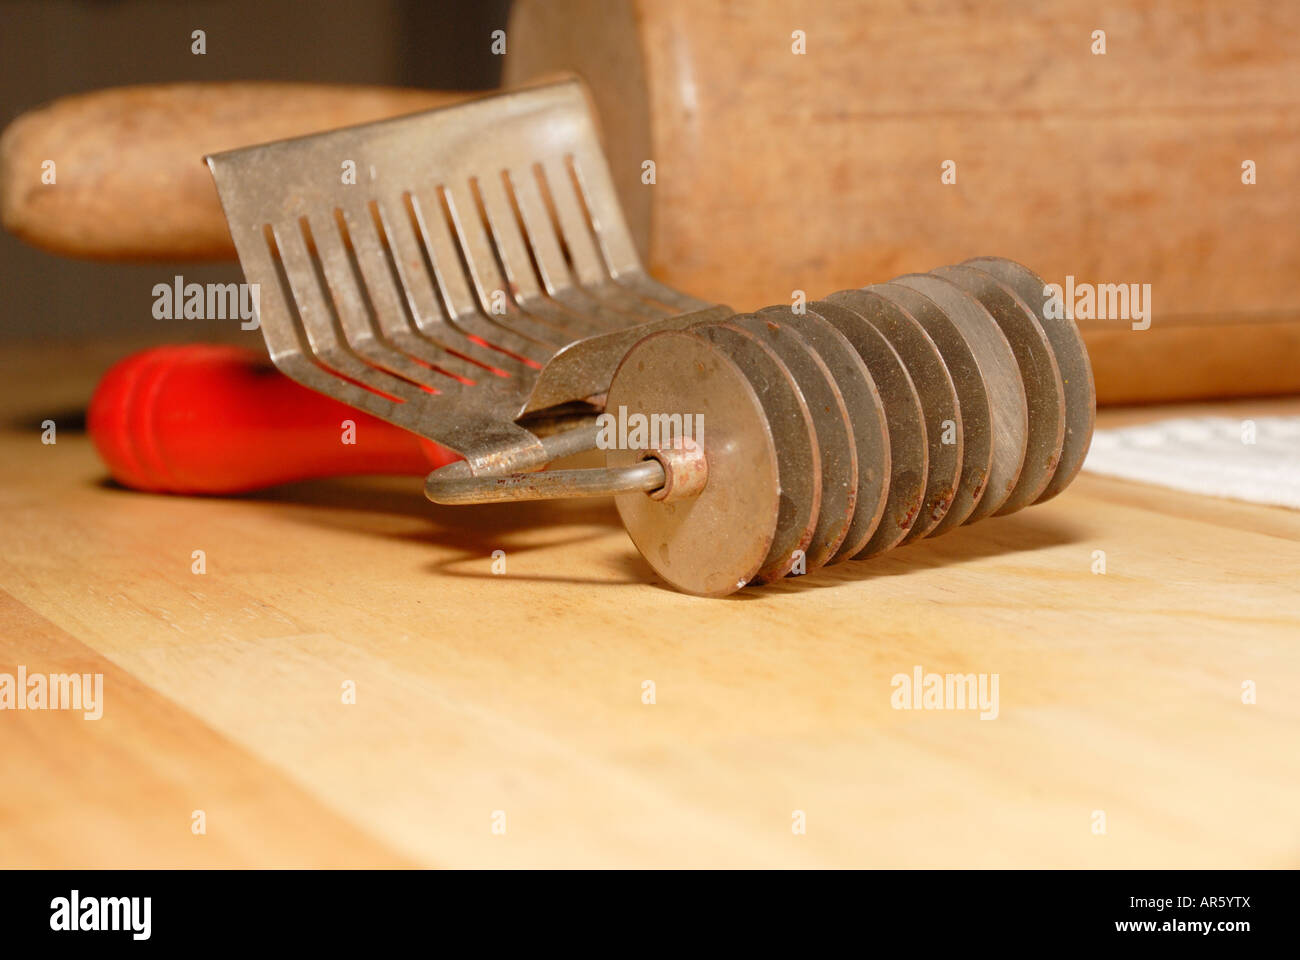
[803, 146]
[129, 179]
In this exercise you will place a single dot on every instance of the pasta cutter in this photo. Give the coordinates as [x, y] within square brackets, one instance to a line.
[467, 274]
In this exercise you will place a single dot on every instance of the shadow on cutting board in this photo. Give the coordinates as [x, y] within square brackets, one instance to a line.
[367, 506]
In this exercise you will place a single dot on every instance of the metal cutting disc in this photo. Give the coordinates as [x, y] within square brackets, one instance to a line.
[866, 420]
[972, 398]
[1071, 358]
[1001, 374]
[907, 442]
[715, 543]
[798, 459]
[938, 399]
[1038, 371]
[839, 461]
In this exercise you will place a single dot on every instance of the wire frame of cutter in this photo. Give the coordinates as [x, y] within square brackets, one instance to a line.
[424, 269]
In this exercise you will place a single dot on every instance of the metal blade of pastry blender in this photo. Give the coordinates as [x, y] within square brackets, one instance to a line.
[425, 269]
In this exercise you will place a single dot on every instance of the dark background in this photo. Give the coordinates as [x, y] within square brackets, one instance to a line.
[51, 48]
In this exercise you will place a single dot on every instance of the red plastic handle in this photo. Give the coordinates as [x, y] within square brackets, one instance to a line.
[203, 418]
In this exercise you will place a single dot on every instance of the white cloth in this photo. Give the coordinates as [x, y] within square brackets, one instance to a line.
[1209, 455]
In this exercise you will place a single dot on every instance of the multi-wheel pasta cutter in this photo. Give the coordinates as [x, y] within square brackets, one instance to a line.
[475, 283]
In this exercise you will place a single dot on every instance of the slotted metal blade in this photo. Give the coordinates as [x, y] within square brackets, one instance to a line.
[426, 268]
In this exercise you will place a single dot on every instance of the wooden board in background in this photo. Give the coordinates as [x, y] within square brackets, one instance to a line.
[819, 172]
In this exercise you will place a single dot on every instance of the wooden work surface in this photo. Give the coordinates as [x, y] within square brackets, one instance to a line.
[523, 693]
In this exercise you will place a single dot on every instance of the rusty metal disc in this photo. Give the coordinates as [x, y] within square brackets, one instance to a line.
[907, 442]
[867, 423]
[798, 459]
[834, 433]
[715, 543]
[972, 398]
[1071, 358]
[938, 399]
[1038, 371]
[1002, 380]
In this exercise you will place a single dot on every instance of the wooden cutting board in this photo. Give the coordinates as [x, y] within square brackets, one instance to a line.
[523, 693]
